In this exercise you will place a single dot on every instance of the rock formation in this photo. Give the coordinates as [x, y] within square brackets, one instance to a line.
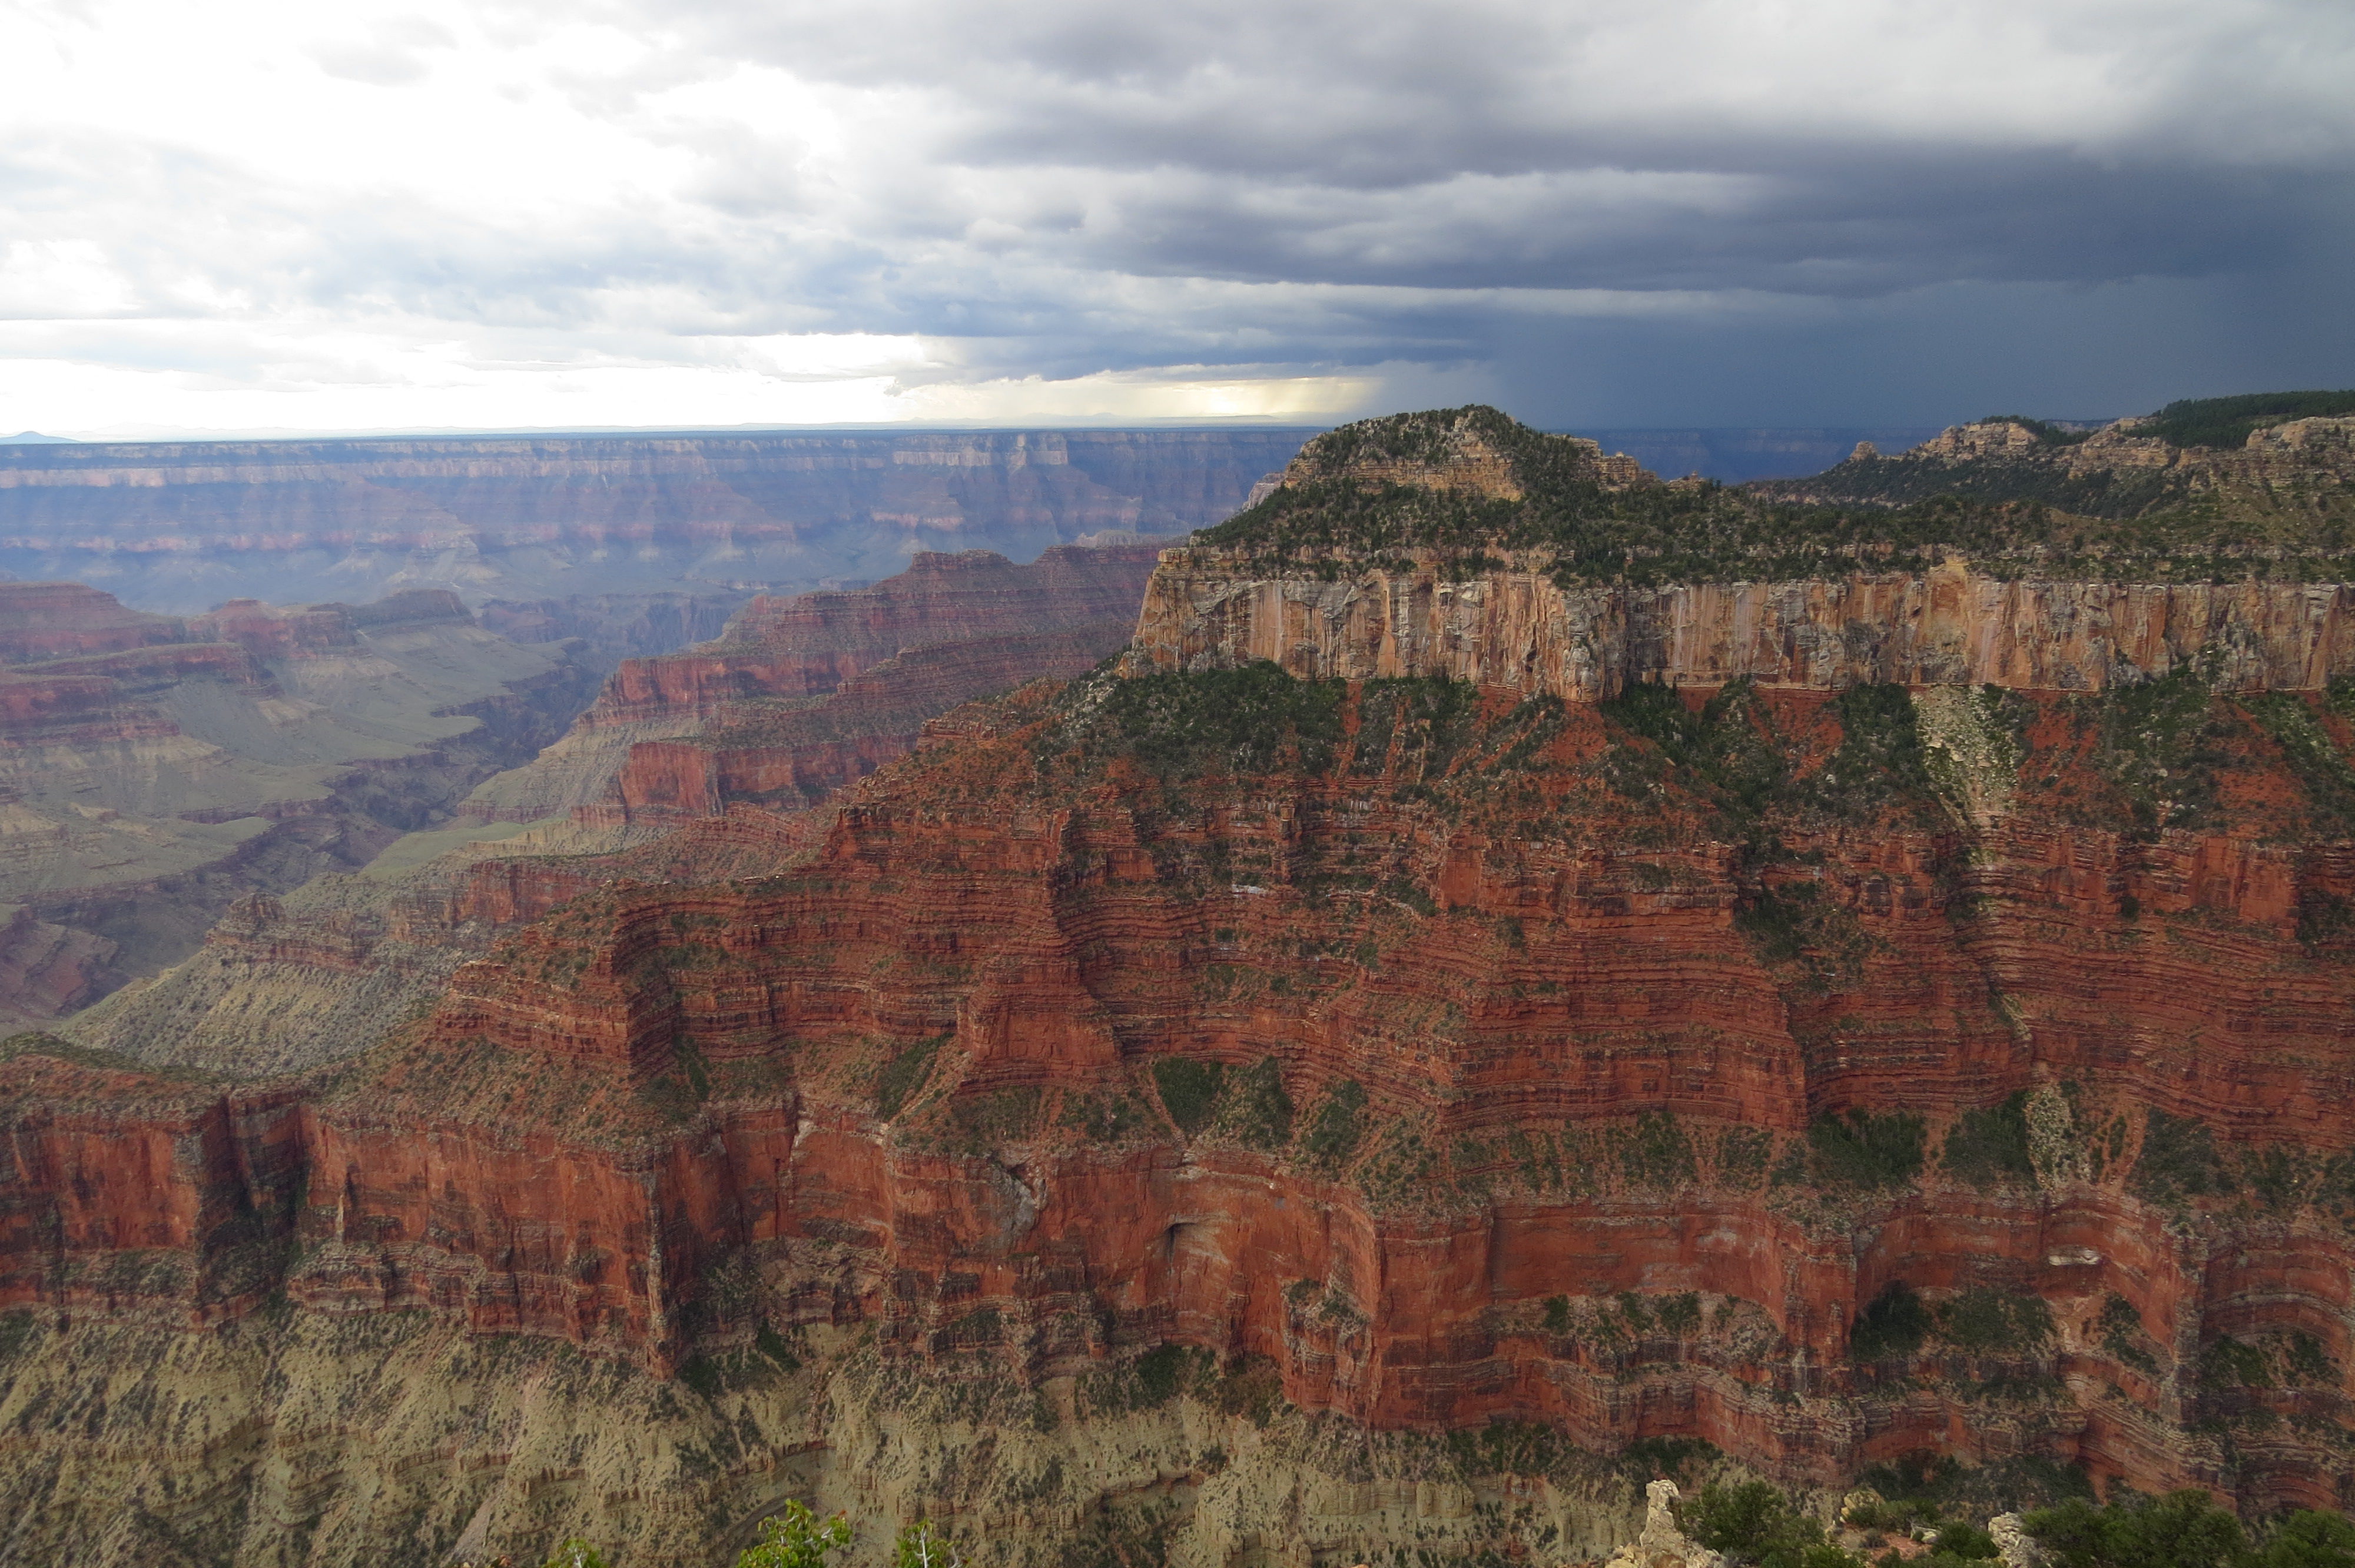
[1664, 1543]
[801, 695]
[1523, 630]
[1230, 1110]
[2296, 470]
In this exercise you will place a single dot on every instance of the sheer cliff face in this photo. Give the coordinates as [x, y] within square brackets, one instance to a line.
[1524, 632]
[1463, 1056]
[182, 526]
[1214, 1078]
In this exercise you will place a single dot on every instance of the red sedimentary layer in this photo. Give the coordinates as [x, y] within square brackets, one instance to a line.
[63, 620]
[1583, 1070]
[794, 758]
[809, 644]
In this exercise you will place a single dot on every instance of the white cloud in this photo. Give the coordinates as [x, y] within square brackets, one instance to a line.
[263, 214]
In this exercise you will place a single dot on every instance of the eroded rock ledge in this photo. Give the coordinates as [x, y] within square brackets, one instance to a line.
[1518, 629]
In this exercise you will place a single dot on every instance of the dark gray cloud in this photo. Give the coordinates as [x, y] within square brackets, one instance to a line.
[1607, 211]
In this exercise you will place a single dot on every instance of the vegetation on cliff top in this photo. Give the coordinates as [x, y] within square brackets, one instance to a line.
[1445, 481]
[2230, 422]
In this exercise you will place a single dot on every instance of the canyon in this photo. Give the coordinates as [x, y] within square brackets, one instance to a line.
[154, 767]
[560, 528]
[801, 696]
[1439, 1021]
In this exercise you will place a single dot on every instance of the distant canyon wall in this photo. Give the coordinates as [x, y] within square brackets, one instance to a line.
[803, 694]
[1518, 629]
[183, 526]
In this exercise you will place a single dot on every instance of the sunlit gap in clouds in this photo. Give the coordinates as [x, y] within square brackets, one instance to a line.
[265, 215]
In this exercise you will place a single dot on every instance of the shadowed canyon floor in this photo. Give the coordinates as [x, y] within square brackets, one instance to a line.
[1433, 1015]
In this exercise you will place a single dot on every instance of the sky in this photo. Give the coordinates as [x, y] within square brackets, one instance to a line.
[253, 216]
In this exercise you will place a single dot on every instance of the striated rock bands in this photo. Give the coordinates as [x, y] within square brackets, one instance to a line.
[1524, 630]
[1451, 1056]
[739, 718]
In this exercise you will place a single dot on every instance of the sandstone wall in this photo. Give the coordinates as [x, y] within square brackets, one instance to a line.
[1517, 630]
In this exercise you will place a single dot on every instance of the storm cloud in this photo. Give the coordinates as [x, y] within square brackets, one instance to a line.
[1673, 211]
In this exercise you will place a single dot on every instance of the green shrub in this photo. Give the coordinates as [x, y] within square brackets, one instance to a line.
[1988, 1148]
[1894, 1324]
[1754, 1524]
[2123, 1336]
[1657, 1153]
[772, 1344]
[1333, 1132]
[920, 1545]
[902, 1076]
[2228, 1363]
[1159, 1372]
[1648, 1458]
[2308, 1539]
[2182, 1530]
[2230, 421]
[576, 1553]
[796, 1538]
[1995, 1322]
[1879, 760]
[1182, 725]
[1189, 1089]
[1924, 1488]
[1262, 1110]
[2178, 1161]
[2320, 768]
[1865, 1151]
[1966, 1541]
[2156, 741]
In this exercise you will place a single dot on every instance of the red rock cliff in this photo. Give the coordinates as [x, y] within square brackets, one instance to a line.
[1452, 1056]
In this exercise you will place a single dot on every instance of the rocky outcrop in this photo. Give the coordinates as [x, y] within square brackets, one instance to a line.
[803, 694]
[1523, 630]
[182, 526]
[2291, 472]
[803, 698]
[63, 620]
[1663, 1544]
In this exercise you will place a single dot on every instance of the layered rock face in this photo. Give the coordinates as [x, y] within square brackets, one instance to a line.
[803, 694]
[1525, 631]
[152, 768]
[802, 697]
[1458, 1067]
[180, 528]
[1156, 1114]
